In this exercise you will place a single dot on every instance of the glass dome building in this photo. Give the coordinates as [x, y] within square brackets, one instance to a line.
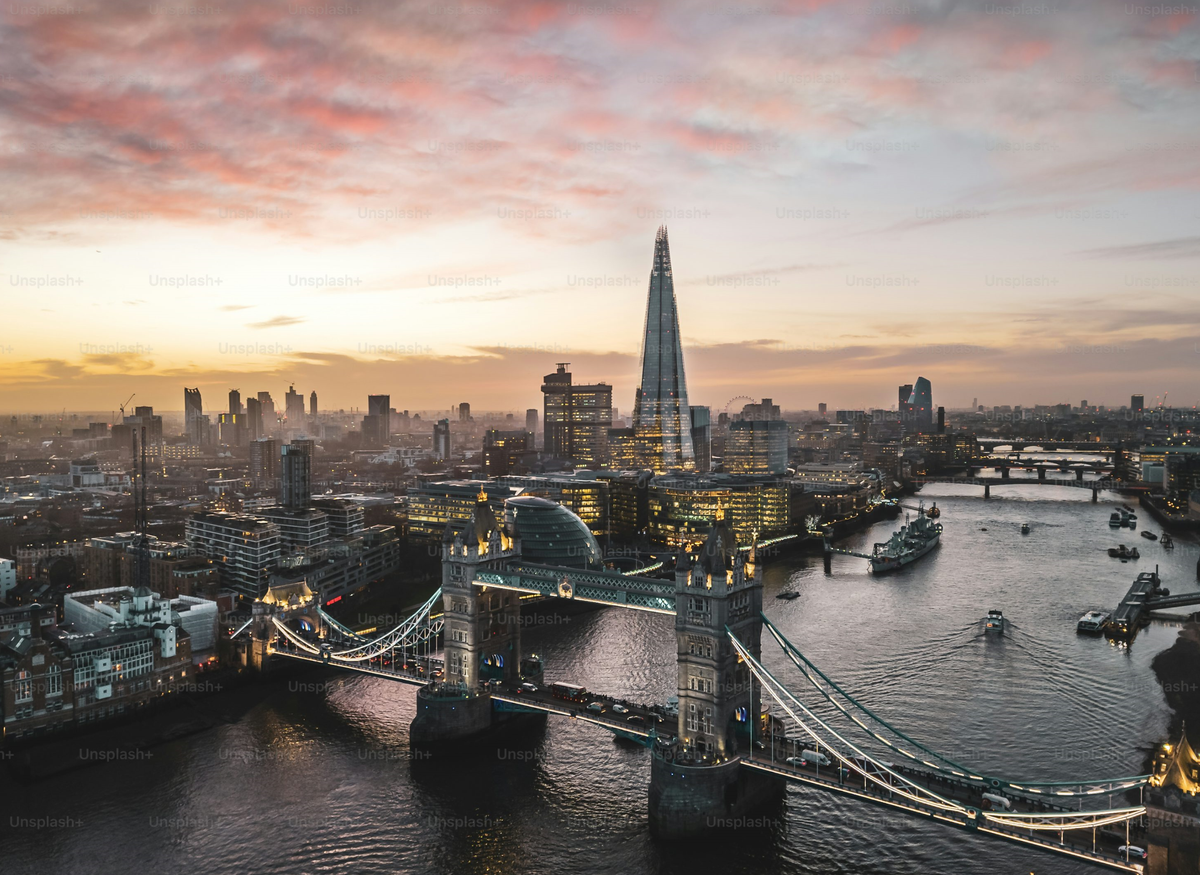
[550, 534]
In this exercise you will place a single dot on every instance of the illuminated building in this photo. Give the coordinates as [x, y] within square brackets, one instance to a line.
[550, 534]
[433, 506]
[264, 463]
[661, 414]
[295, 474]
[680, 508]
[576, 418]
[254, 419]
[587, 499]
[194, 422]
[756, 446]
[381, 406]
[504, 451]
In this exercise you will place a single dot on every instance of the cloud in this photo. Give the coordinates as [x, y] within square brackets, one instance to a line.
[276, 322]
[1181, 247]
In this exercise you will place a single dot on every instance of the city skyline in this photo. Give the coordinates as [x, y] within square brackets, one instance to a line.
[404, 198]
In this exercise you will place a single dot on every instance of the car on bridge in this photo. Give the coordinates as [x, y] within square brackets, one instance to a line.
[596, 707]
[1135, 852]
[618, 708]
[528, 688]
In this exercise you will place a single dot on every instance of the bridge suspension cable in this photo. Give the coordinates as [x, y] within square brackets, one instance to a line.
[782, 696]
[422, 625]
[1094, 787]
[916, 793]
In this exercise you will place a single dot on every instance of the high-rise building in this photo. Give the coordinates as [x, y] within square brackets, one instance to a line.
[531, 421]
[235, 402]
[295, 475]
[1137, 403]
[232, 429]
[264, 463]
[254, 419]
[576, 418]
[756, 446]
[822, 409]
[312, 404]
[381, 406]
[920, 407]
[464, 412]
[702, 438]
[764, 410]
[193, 417]
[143, 417]
[502, 451]
[294, 408]
[372, 431]
[270, 422]
[661, 414]
[441, 439]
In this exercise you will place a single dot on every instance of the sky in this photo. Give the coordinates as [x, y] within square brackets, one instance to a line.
[440, 200]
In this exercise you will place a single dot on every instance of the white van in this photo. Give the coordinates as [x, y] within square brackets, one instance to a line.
[997, 801]
[814, 758]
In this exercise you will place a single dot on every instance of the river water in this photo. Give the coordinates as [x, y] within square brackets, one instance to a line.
[317, 779]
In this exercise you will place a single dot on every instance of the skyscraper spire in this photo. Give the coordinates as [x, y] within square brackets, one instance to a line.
[662, 418]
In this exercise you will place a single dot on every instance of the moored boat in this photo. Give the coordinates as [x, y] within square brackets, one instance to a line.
[1150, 536]
[914, 539]
[1093, 622]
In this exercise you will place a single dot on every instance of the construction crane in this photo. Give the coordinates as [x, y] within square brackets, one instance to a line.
[127, 400]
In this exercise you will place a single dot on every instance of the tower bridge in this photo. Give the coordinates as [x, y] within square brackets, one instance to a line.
[722, 755]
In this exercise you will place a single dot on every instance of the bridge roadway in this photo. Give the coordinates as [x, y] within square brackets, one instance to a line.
[418, 671]
[837, 779]
[513, 698]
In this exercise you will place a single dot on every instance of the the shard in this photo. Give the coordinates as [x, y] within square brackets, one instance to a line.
[661, 415]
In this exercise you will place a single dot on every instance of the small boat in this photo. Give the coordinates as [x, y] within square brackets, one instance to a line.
[1093, 622]
[1123, 552]
[1166, 540]
[1114, 519]
[1150, 536]
[791, 594]
[1024, 528]
[994, 621]
[933, 512]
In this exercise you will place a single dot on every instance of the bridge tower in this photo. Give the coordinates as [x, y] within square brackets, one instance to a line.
[481, 635]
[697, 783]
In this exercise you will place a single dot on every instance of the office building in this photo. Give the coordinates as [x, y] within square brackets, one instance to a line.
[235, 402]
[433, 506]
[576, 418]
[1137, 403]
[702, 438]
[464, 412]
[756, 446]
[142, 418]
[681, 507]
[661, 415]
[442, 449]
[312, 404]
[531, 421]
[587, 499]
[920, 408]
[822, 409]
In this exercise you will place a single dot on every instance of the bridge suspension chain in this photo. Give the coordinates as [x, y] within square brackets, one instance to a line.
[1095, 787]
[419, 627]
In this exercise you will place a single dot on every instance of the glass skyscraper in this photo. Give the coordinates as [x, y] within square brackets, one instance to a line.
[661, 414]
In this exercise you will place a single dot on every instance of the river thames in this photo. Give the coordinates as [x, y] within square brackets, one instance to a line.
[318, 778]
